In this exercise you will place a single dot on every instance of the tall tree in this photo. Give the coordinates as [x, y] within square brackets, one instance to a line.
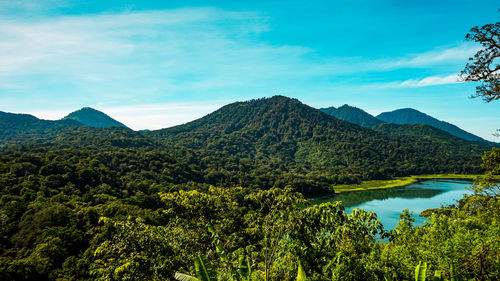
[484, 66]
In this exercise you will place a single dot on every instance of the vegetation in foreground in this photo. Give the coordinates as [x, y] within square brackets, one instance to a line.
[102, 233]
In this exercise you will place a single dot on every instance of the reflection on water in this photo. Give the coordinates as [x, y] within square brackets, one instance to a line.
[388, 203]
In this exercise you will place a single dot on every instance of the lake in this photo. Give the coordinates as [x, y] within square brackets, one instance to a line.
[417, 197]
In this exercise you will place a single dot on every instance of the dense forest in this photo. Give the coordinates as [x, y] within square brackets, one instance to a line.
[261, 143]
[227, 191]
[105, 212]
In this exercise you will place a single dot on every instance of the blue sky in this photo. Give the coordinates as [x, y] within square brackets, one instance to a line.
[154, 64]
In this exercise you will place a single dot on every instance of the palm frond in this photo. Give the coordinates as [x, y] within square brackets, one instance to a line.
[184, 277]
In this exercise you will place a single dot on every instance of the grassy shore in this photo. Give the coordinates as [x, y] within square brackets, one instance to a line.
[398, 182]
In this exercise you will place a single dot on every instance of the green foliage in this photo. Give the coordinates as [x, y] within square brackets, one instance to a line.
[113, 204]
[421, 271]
[203, 269]
[301, 275]
[483, 67]
[244, 268]
[132, 250]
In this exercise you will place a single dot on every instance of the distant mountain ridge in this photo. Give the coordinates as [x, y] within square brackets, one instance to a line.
[413, 116]
[352, 114]
[12, 123]
[21, 127]
[417, 130]
[402, 116]
[93, 118]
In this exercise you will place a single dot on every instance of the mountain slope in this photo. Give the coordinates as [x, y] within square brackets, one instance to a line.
[417, 130]
[19, 126]
[284, 135]
[412, 116]
[23, 128]
[93, 118]
[353, 115]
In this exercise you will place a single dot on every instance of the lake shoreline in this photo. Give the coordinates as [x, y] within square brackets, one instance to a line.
[388, 203]
[396, 182]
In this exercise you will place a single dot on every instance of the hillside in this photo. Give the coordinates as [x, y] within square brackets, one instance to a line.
[23, 127]
[283, 134]
[353, 115]
[417, 130]
[412, 116]
[93, 118]
[266, 142]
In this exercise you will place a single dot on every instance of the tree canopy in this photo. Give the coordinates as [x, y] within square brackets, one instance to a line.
[484, 67]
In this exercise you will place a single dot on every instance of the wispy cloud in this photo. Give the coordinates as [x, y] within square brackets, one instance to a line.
[431, 81]
[147, 116]
[421, 82]
[157, 57]
[171, 52]
[154, 53]
[441, 55]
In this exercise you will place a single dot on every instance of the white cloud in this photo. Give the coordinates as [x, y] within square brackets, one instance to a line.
[183, 54]
[431, 81]
[147, 116]
[417, 83]
[158, 116]
[144, 55]
[191, 49]
[458, 53]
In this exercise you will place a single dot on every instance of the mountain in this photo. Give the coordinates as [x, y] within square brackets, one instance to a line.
[23, 126]
[416, 130]
[412, 116]
[352, 114]
[282, 135]
[259, 143]
[93, 118]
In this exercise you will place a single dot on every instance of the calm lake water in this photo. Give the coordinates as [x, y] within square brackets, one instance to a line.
[388, 203]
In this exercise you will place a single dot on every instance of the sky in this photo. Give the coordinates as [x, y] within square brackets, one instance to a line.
[155, 64]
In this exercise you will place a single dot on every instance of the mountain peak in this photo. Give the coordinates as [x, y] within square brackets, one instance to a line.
[93, 118]
[278, 116]
[353, 115]
[413, 116]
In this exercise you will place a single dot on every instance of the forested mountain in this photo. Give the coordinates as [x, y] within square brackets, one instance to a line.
[282, 134]
[93, 118]
[412, 116]
[271, 142]
[352, 114]
[406, 116]
[24, 127]
[276, 141]
[417, 130]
